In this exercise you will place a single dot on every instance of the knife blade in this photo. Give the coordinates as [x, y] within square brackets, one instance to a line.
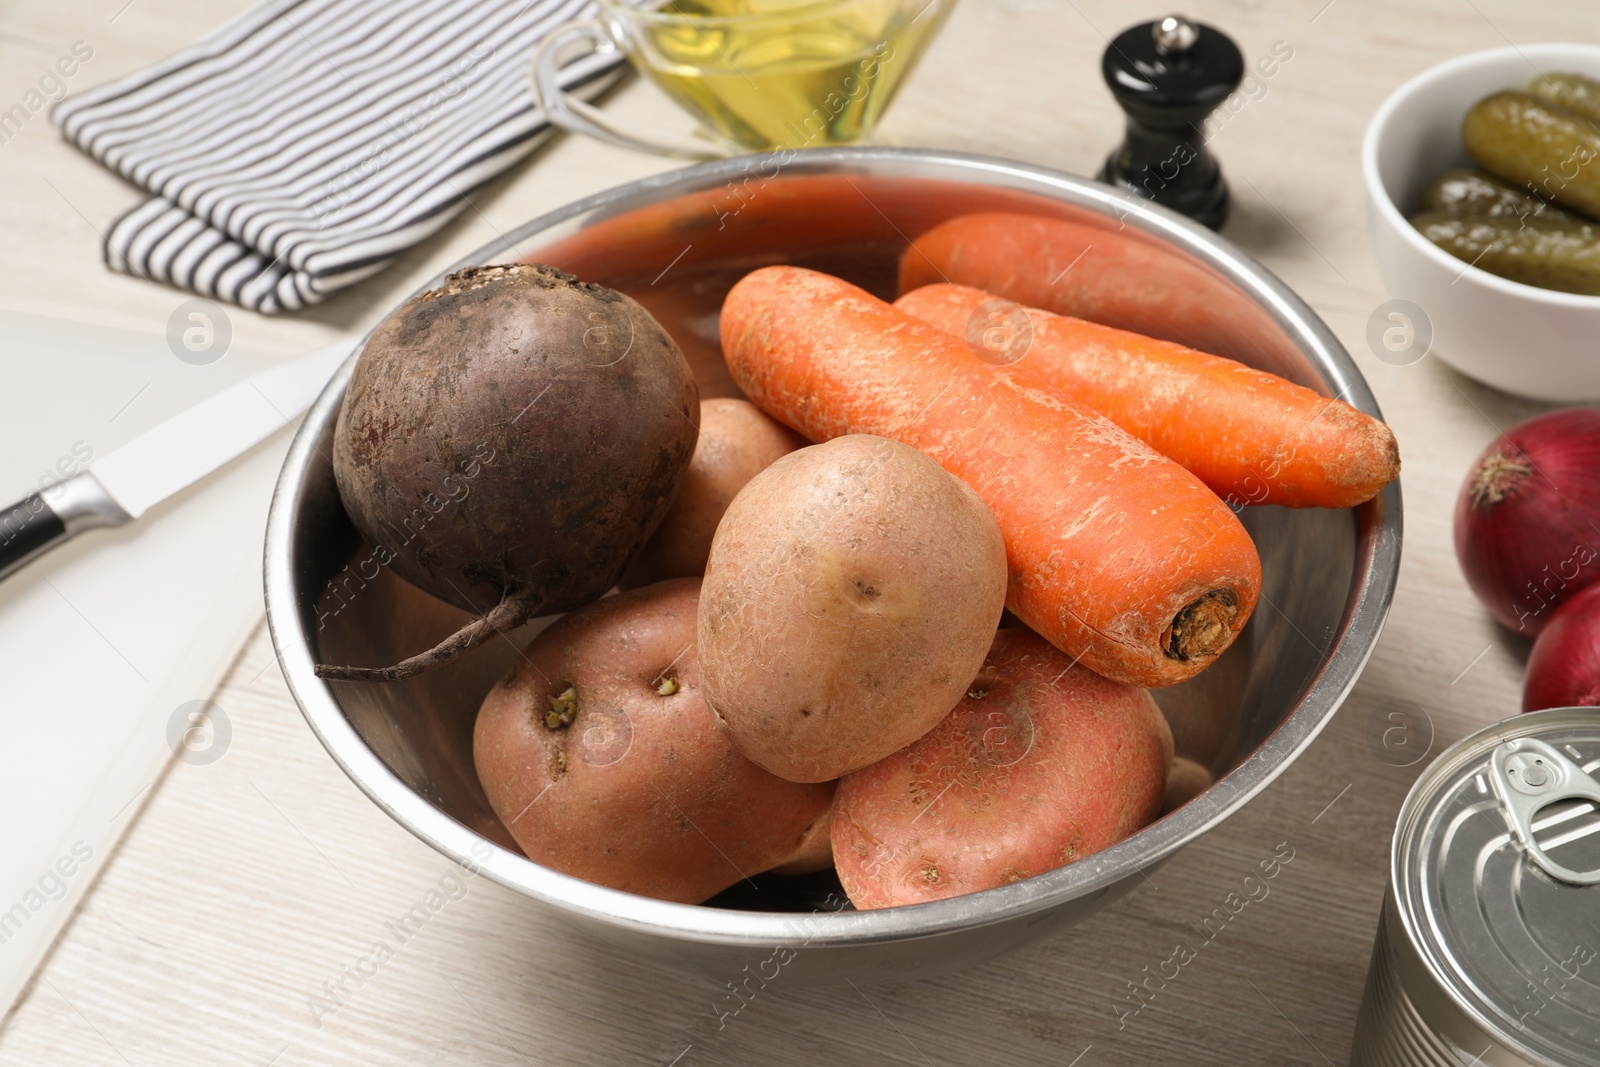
[121, 486]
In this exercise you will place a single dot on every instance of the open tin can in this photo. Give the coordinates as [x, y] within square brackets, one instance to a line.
[1488, 951]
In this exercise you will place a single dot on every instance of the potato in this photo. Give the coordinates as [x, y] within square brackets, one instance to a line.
[815, 851]
[1186, 780]
[737, 442]
[599, 755]
[852, 591]
[1204, 714]
[1043, 763]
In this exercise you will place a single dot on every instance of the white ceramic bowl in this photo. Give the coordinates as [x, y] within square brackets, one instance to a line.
[1525, 340]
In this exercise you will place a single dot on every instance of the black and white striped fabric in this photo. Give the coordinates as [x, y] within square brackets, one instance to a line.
[308, 143]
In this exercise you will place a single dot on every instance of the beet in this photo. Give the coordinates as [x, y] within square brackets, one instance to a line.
[508, 442]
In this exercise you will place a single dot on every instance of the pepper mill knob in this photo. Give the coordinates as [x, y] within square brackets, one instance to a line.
[1168, 76]
[1174, 34]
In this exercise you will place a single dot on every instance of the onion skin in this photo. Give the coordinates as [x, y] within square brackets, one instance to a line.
[1564, 666]
[1527, 522]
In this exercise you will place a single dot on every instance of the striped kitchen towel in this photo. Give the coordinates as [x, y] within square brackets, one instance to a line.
[306, 144]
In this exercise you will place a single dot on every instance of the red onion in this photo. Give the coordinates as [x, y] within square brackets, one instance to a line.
[1528, 518]
[1564, 667]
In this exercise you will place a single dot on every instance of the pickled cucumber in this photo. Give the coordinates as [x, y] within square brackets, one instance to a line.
[1532, 250]
[1571, 91]
[1533, 144]
[1472, 192]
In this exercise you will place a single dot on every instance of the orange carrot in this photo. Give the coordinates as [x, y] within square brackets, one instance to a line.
[1117, 555]
[1100, 273]
[1253, 437]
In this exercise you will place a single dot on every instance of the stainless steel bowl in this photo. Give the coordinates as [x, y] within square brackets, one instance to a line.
[678, 241]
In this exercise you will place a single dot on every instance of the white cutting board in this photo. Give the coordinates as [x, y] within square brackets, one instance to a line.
[103, 640]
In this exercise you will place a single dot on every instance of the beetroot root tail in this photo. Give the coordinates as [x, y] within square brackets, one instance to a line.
[504, 617]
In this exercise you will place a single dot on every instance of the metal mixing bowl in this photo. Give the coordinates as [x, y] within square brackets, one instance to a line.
[677, 242]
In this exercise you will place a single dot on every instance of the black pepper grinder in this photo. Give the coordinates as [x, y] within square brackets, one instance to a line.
[1169, 75]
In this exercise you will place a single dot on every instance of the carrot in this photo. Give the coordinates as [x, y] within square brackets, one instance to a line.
[1116, 555]
[1253, 437]
[1103, 274]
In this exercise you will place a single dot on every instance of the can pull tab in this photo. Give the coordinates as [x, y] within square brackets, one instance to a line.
[1529, 775]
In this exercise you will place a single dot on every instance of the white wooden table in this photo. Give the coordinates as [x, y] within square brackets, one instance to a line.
[253, 884]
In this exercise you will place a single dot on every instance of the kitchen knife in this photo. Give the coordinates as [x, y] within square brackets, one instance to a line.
[123, 485]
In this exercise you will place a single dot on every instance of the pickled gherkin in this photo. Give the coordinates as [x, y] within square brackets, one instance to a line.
[1531, 143]
[1472, 192]
[1571, 91]
[1535, 251]
[1532, 214]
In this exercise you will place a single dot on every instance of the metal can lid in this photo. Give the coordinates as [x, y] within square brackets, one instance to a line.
[1496, 875]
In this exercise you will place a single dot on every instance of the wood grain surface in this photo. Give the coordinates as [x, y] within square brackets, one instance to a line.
[231, 925]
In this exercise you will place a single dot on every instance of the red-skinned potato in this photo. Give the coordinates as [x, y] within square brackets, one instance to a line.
[852, 591]
[600, 756]
[737, 442]
[1043, 763]
[815, 852]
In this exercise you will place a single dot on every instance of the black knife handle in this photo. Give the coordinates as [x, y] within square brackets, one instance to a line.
[27, 528]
